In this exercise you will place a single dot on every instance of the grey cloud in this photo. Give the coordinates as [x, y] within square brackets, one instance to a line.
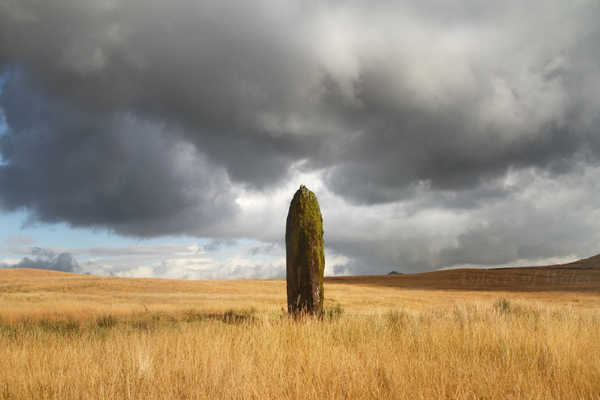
[268, 249]
[47, 259]
[15, 240]
[542, 217]
[134, 177]
[216, 244]
[371, 91]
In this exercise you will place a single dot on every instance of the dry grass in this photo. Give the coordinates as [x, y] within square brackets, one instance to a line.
[71, 336]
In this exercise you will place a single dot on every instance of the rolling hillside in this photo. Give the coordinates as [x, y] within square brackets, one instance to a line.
[579, 276]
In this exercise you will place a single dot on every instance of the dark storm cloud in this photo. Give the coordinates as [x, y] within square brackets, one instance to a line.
[384, 95]
[210, 67]
[116, 172]
[149, 117]
[47, 259]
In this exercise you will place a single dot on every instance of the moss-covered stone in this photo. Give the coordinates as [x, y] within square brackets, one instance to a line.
[305, 254]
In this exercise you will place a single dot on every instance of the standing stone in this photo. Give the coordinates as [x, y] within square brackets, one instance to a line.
[305, 255]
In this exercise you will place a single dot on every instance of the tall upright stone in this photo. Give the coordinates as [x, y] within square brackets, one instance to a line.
[305, 255]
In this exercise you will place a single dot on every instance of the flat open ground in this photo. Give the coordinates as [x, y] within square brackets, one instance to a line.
[503, 333]
[37, 293]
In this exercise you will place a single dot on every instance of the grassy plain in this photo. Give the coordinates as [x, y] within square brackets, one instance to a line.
[522, 333]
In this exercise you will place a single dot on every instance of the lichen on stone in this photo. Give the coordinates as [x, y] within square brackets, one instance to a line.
[305, 254]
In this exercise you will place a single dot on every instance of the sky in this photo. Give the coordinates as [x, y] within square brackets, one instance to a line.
[167, 138]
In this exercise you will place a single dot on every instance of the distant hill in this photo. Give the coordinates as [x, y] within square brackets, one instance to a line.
[12, 273]
[578, 276]
[586, 263]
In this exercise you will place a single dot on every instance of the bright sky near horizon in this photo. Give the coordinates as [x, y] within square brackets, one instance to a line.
[167, 140]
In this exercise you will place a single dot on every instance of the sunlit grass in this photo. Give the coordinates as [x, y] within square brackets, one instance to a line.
[372, 343]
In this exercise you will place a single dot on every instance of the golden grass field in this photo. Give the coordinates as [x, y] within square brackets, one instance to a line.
[527, 333]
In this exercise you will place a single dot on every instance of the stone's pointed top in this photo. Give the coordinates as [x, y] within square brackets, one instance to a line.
[303, 191]
[303, 194]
